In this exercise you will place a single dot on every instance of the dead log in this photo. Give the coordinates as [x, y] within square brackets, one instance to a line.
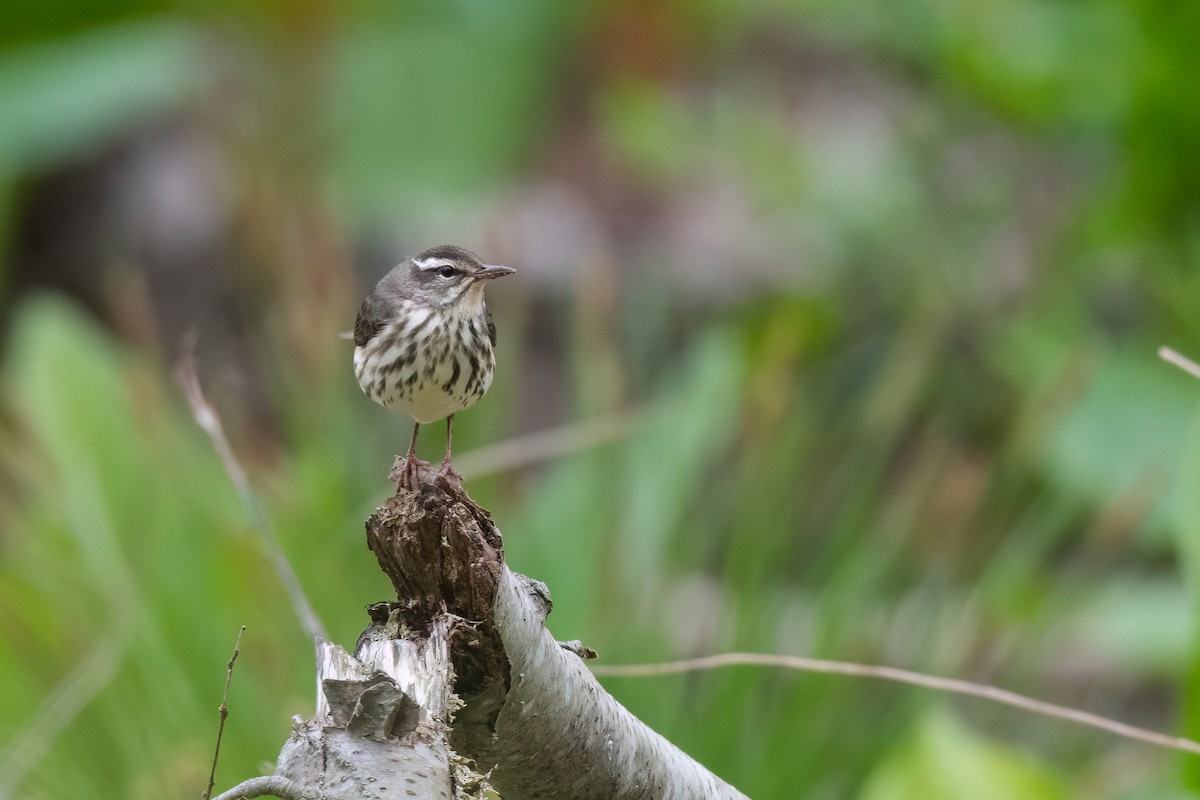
[456, 689]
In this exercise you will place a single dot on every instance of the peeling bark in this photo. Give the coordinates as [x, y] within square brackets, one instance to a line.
[379, 732]
[461, 670]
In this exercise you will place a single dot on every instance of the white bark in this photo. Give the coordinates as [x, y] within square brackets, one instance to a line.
[379, 732]
[462, 669]
[560, 735]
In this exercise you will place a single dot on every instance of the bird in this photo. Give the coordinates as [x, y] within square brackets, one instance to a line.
[423, 343]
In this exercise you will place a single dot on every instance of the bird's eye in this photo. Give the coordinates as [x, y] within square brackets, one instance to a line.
[446, 271]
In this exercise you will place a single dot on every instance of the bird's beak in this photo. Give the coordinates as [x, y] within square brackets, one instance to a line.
[491, 271]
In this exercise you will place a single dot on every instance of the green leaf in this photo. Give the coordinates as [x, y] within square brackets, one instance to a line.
[943, 760]
[64, 97]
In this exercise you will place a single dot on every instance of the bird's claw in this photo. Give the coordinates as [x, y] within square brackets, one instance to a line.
[406, 472]
[450, 474]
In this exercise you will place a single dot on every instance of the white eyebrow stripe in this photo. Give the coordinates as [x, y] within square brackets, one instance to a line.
[425, 265]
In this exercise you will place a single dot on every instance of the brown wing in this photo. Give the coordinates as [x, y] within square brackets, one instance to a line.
[370, 321]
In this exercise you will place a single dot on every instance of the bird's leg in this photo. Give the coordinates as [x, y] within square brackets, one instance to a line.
[412, 443]
[405, 472]
[447, 469]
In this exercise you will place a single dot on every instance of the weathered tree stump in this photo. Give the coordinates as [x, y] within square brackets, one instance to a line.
[456, 689]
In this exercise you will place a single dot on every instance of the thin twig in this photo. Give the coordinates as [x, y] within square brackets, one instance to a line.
[208, 420]
[1179, 360]
[952, 685]
[224, 712]
[532, 448]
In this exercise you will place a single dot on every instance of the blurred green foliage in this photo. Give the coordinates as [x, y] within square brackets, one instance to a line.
[63, 98]
[941, 761]
[893, 275]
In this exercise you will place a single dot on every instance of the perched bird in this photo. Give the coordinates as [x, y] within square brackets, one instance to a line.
[423, 342]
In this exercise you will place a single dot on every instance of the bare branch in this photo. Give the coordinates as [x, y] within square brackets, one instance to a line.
[272, 786]
[1179, 360]
[208, 420]
[224, 712]
[952, 685]
[522, 451]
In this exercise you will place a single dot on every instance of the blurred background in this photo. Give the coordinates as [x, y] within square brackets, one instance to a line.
[841, 317]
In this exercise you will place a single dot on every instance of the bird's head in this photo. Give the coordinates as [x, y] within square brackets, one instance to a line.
[447, 275]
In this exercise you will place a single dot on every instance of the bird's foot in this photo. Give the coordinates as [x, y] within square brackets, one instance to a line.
[452, 476]
[406, 472]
